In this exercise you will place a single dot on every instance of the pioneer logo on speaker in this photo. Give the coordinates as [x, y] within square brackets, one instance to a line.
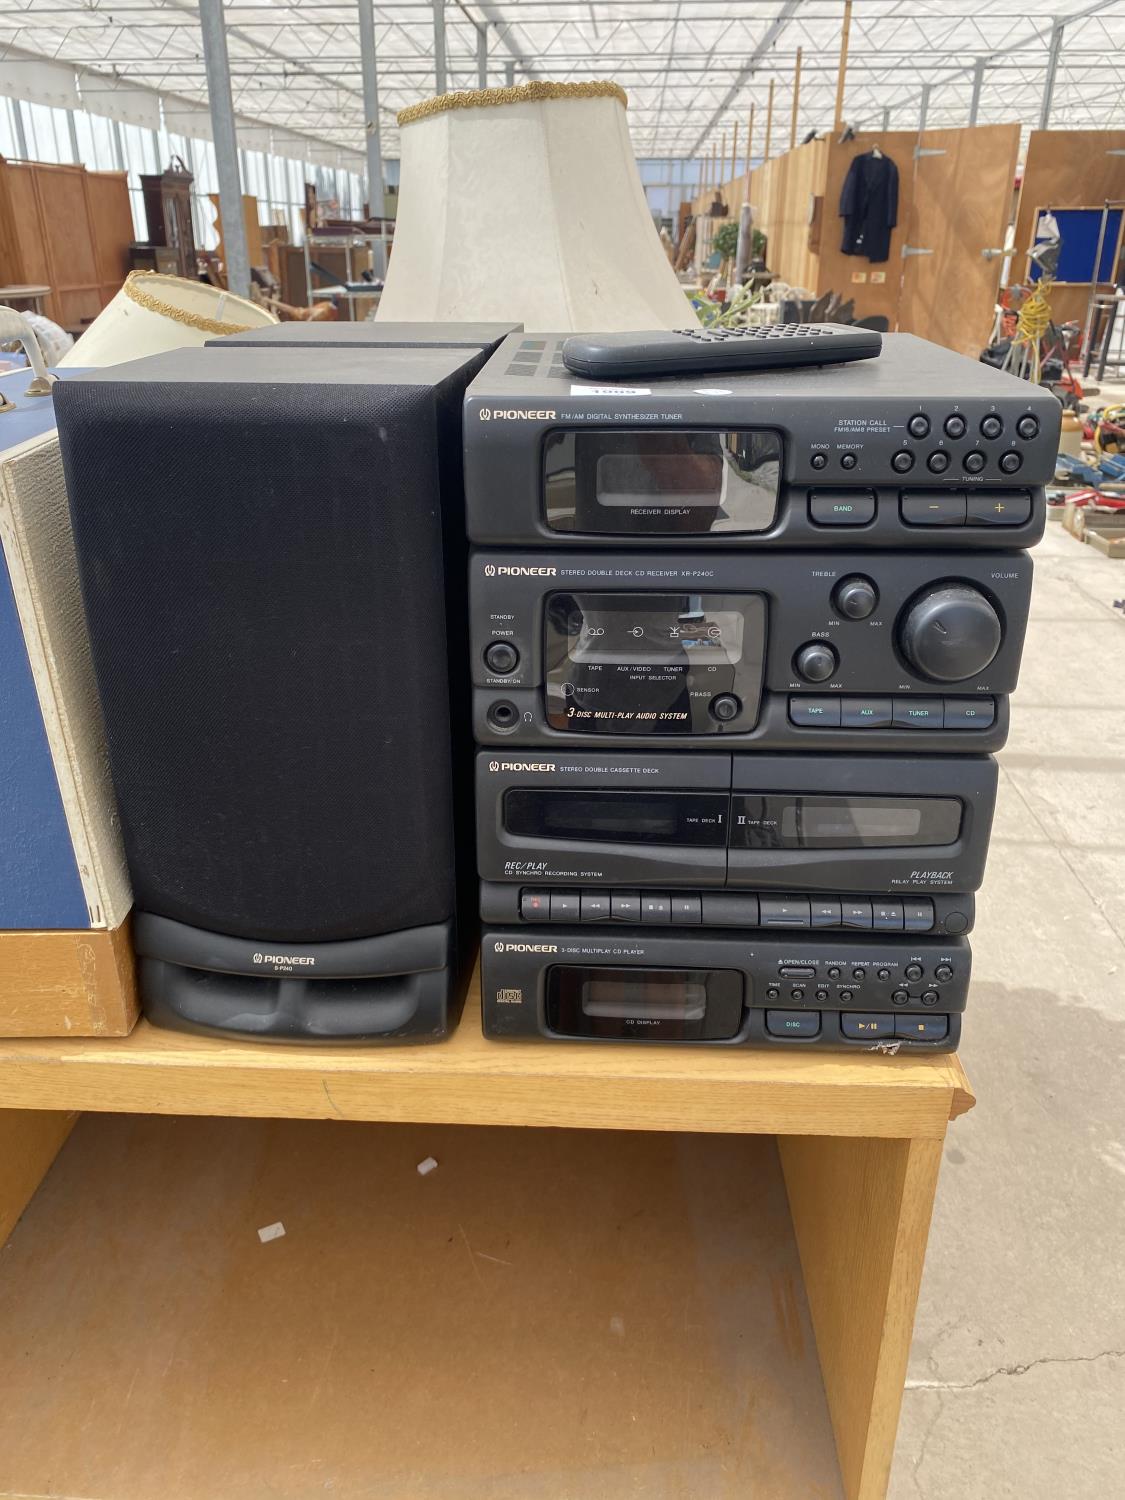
[526, 947]
[283, 958]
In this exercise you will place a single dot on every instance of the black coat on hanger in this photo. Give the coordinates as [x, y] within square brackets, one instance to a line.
[869, 205]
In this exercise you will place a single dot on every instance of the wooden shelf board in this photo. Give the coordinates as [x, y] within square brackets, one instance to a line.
[472, 1081]
[550, 1315]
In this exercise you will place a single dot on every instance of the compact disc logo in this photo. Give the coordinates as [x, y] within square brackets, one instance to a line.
[490, 570]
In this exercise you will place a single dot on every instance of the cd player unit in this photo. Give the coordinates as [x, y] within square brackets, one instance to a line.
[836, 991]
[919, 448]
[798, 650]
[904, 827]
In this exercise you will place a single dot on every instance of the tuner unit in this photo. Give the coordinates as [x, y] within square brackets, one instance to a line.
[920, 447]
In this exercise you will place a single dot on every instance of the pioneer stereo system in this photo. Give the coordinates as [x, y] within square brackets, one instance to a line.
[739, 649]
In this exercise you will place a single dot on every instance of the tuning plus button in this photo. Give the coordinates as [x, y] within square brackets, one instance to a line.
[501, 657]
[816, 662]
[855, 597]
[1010, 463]
[949, 633]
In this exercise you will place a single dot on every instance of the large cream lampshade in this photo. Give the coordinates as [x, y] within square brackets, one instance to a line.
[526, 204]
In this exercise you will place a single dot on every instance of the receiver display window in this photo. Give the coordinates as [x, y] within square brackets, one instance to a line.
[694, 819]
[662, 483]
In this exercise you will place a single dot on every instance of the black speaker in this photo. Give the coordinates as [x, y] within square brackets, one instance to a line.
[372, 335]
[270, 546]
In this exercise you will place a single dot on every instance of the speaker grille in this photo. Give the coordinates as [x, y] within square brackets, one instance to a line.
[263, 577]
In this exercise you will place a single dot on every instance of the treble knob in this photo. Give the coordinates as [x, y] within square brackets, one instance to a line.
[855, 597]
[950, 633]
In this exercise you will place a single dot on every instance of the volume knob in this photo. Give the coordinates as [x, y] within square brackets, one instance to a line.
[950, 633]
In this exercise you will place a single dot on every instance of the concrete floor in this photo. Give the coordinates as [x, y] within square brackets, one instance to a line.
[1017, 1379]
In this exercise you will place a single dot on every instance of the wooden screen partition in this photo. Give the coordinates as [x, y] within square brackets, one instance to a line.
[66, 228]
[784, 194]
[111, 218]
[960, 207]
[1067, 169]
[873, 285]
[954, 202]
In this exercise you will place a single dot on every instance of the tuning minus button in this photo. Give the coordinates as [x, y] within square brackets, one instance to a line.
[933, 507]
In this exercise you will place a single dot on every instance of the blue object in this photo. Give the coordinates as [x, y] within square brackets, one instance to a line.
[1079, 229]
[39, 880]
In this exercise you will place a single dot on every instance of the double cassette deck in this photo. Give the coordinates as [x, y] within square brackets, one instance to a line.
[740, 648]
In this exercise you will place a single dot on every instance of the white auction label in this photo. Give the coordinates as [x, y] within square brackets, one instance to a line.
[611, 390]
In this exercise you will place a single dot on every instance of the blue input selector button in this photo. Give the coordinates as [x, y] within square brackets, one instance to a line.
[970, 713]
[865, 713]
[919, 713]
[819, 712]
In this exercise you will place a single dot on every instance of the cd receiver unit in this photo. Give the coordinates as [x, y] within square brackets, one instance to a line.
[802, 651]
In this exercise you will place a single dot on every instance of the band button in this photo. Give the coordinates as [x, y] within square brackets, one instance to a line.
[842, 507]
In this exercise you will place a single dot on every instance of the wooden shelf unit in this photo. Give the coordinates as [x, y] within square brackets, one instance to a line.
[859, 1140]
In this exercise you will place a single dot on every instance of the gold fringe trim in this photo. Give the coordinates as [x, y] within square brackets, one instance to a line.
[137, 293]
[523, 93]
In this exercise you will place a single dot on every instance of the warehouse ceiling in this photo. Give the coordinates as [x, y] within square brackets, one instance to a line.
[692, 68]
